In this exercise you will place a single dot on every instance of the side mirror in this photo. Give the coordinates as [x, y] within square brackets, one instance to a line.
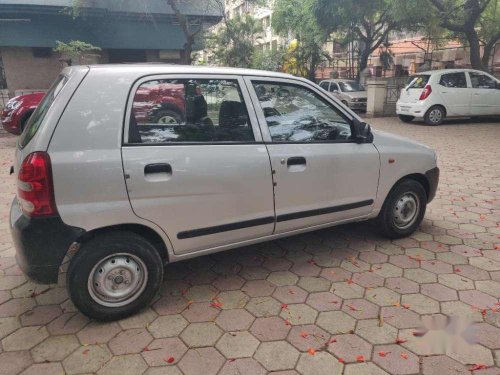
[363, 132]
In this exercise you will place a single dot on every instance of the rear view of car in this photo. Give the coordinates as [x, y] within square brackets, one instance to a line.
[412, 101]
[18, 110]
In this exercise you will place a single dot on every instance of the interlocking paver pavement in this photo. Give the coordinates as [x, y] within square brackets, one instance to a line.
[337, 301]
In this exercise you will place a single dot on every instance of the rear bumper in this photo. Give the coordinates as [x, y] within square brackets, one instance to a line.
[411, 109]
[433, 179]
[41, 243]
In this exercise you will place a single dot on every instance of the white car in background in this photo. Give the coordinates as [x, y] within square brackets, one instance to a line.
[450, 93]
[349, 92]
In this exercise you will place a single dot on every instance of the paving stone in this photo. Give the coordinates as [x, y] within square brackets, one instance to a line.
[456, 281]
[439, 292]
[263, 306]
[277, 355]
[205, 361]
[167, 326]
[489, 287]
[130, 341]
[308, 337]
[201, 334]
[372, 331]
[8, 325]
[16, 307]
[125, 364]
[67, 323]
[431, 343]
[394, 363]
[461, 309]
[55, 348]
[234, 299]
[242, 366]
[360, 308]
[15, 362]
[485, 263]
[139, 320]
[324, 301]
[349, 347]
[24, 338]
[486, 335]
[420, 303]
[258, 288]
[229, 282]
[237, 345]
[382, 296]
[299, 314]
[437, 266]
[387, 270]
[473, 273]
[234, 320]
[281, 278]
[400, 317]
[320, 363]
[200, 312]
[402, 285]
[158, 352]
[86, 359]
[420, 276]
[314, 284]
[277, 264]
[373, 257]
[11, 282]
[307, 268]
[336, 274]
[336, 322]
[477, 299]
[440, 365]
[98, 333]
[366, 368]
[254, 273]
[199, 293]
[404, 261]
[464, 353]
[347, 290]
[270, 329]
[290, 294]
[368, 279]
[452, 258]
[40, 315]
[44, 368]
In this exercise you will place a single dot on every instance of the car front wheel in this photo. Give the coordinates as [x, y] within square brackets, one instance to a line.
[403, 209]
[114, 275]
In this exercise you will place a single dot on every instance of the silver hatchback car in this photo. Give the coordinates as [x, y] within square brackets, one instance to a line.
[249, 156]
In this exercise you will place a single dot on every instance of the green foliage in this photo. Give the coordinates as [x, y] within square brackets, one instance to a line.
[74, 49]
[269, 60]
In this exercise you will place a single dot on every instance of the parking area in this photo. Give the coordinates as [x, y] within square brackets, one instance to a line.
[336, 301]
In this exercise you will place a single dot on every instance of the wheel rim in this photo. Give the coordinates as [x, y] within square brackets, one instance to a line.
[406, 210]
[169, 120]
[117, 280]
[435, 116]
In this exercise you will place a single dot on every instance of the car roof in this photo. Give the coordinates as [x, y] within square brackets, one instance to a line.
[339, 80]
[441, 71]
[155, 68]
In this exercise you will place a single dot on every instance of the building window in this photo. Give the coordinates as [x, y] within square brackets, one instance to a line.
[42, 52]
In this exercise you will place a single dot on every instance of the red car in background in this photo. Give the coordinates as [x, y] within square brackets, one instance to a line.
[18, 110]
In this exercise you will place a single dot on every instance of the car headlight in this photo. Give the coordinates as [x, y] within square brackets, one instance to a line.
[13, 105]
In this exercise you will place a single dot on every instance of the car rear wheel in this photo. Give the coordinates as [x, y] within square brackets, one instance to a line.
[168, 117]
[403, 209]
[434, 116]
[406, 118]
[114, 275]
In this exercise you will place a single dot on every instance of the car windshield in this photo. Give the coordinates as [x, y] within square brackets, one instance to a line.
[417, 82]
[351, 86]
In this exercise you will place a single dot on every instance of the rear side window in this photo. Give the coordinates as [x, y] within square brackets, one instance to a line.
[418, 81]
[453, 80]
[189, 110]
[37, 117]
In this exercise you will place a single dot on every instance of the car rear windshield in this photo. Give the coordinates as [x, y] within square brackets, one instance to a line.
[37, 117]
[418, 81]
[351, 86]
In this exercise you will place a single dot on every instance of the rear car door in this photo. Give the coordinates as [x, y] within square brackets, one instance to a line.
[207, 180]
[452, 88]
[485, 98]
[321, 174]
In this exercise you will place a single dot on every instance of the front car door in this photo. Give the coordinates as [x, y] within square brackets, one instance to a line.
[321, 174]
[452, 88]
[206, 181]
[485, 98]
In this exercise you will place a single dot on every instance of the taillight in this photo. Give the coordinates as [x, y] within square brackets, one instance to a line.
[35, 190]
[425, 94]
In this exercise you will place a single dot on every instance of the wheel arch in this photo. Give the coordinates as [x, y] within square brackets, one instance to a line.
[418, 177]
[440, 106]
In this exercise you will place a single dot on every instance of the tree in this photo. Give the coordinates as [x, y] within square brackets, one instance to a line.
[272, 60]
[368, 21]
[474, 21]
[295, 19]
[74, 50]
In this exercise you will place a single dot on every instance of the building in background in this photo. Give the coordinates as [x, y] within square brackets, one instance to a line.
[126, 31]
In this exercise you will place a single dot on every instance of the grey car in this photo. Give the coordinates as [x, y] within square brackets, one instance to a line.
[257, 156]
[349, 92]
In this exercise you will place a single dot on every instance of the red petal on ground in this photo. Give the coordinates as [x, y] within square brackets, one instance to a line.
[311, 351]
[360, 358]
[169, 360]
[341, 360]
[400, 341]
[478, 366]
[404, 355]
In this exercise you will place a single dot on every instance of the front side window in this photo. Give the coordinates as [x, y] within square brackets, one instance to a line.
[453, 80]
[295, 113]
[482, 81]
[189, 110]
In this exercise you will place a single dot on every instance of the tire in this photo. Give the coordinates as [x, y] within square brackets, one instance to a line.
[434, 115]
[406, 118]
[394, 220]
[119, 255]
[168, 116]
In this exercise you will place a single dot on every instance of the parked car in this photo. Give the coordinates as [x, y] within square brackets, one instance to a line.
[349, 92]
[18, 110]
[451, 93]
[276, 157]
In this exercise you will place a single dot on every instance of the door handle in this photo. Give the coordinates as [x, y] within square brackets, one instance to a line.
[296, 160]
[158, 168]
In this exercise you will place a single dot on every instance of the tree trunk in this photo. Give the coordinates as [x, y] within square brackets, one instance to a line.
[188, 49]
[488, 50]
[363, 60]
[474, 49]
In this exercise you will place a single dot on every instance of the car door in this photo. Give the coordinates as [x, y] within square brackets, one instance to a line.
[335, 90]
[485, 94]
[206, 181]
[321, 175]
[452, 88]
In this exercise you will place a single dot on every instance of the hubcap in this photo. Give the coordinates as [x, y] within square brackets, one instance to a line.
[435, 115]
[406, 210]
[169, 120]
[117, 280]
